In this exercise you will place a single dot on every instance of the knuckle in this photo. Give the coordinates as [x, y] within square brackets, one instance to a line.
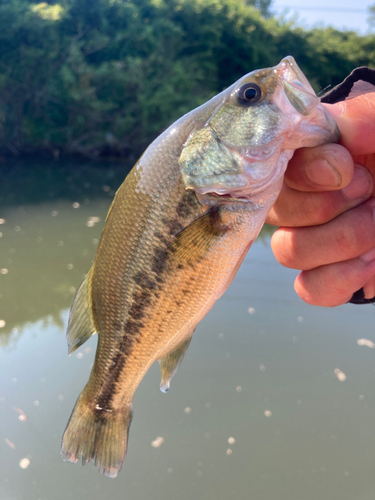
[357, 232]
[317, 211]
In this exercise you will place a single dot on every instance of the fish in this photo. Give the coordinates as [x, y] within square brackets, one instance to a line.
[175, 235]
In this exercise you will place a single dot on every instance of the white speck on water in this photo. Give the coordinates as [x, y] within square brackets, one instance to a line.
[91, 221]
[60, 397]
[10, 444]
[262, 368]
[267, 413]
[53, 213]
[4, 271]
[72, 289]
[36, 403]
[366, 342]
[300, 319]
[87, 350]
[340, 375]
[231, 440]
[60, 243]
[229, 451]
[187, 409]
[169, 470]
[251, 310]
[157, 442]
[14, 380]
[17, 228]
[79, 355]
[70, 267]
[22, 417]
[221, 335]
[238, 388]
[361, 397]
[2, 323]
[95, 241]
[1, 235]
[2, 221]
[106, 189]
[24, 463]
[76, 204]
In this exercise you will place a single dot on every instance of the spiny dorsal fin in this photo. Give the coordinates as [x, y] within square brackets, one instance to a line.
[170, 362]
[81, 321]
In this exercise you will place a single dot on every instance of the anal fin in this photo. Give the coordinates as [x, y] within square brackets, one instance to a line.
[81, 320]
[170, 362]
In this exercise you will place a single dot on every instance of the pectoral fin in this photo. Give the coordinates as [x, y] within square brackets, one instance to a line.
[193, 242]
[170, 362]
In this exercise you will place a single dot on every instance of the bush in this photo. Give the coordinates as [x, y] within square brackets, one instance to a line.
[106, 76]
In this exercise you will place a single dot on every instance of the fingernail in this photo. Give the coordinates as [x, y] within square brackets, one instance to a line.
[321, 173]
[360, 185]
[369, 288]
[369, 256]
[334, 109]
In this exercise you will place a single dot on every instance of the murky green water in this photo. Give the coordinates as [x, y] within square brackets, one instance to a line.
[256, 410]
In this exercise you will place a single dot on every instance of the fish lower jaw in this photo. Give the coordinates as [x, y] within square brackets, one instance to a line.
[255, 185]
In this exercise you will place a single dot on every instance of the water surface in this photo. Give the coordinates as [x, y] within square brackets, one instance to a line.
[274, 399]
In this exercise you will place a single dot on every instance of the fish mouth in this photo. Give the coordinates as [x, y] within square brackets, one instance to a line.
[289, 71]
[258, 169]
[295, 91]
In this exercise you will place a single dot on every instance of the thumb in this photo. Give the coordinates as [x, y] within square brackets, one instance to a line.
[356, 121]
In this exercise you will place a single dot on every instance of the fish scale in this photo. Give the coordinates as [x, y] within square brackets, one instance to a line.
[175, 235]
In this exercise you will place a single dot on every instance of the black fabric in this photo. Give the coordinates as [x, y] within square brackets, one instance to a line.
[340, 93]
[358, 297]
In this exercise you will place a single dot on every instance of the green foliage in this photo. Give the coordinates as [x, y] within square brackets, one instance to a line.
[106, 76]
[371, 16]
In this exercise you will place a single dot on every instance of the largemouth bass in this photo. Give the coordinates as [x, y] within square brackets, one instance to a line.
[176, 233]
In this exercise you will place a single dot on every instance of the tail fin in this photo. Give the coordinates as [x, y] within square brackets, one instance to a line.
[97, 434]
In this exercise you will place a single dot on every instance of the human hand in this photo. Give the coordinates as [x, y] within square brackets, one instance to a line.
[334, 246]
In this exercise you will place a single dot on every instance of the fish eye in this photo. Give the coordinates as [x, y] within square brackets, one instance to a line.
[249, 93]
